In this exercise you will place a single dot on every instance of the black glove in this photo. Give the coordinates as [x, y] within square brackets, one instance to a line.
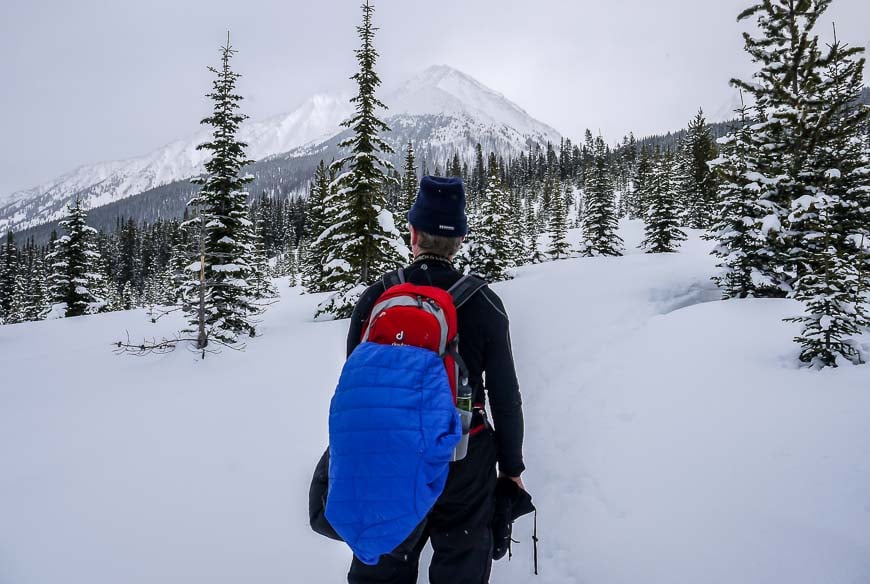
[511, 503]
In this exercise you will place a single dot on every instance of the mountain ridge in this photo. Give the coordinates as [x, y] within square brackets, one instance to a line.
[437, 91]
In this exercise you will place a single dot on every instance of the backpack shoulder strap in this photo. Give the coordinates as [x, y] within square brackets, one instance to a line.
[466, 287]
[394, 278]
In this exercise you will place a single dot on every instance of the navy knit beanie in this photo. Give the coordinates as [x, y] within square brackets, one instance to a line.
[440, 207]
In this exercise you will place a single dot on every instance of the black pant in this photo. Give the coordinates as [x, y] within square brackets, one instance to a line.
[459, 527]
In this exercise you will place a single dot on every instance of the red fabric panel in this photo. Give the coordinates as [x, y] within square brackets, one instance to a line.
[408, 325]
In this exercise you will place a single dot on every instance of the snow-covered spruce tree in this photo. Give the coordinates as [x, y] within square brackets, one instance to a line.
[8, 274]
[516, 230]
[365, 242]
[478, 175]
[784, 88]
[741, 243]
[261, 278]
[291, 264]
[488, 249]
[558, 247]
[842, 158]
[642, 186]
[410, 185]
[105, 287]
[532, 227]
[19, 296]
[181, 256]
[550, 196]
[33, 302]
[699, 186]
[599, 214]
[827, 284]
[663, 233]
[829, 256]
[74, 265]
[224, 298]
[316, 223]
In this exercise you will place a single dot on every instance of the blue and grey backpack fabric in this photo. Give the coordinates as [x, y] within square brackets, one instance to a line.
[393, 428]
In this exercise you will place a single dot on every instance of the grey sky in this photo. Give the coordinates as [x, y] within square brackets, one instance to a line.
[96, 80]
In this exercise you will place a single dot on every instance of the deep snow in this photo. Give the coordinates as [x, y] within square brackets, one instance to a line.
[669, 438]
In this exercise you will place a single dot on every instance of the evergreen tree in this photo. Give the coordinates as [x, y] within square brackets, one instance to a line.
[784, 87]
[316, 222]
[8, 275]
[549, 197]
[478, 174]
[222, 276]
[741, 243]
[104, 286]
[827, 285]
[599, 217]
[291, 263]
[642, 186]
[559, 248]
[663, 233]
[455, 169]
[182, 254]
[410, 185]
[833, 219]
[261, 280]
[19, 298]
[128, 297]
[365, 241]
[516, 230]
[699, 186]
[532, 227]
[488, 249]
[74, 263]
[33, 302]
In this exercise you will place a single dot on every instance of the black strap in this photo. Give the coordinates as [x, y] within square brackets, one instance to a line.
[465, 288]
[394, 278]
[453, 351]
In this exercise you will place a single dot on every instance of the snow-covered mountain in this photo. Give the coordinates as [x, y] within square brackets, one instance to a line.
[443, 90]
[441, 110]
[106, 182]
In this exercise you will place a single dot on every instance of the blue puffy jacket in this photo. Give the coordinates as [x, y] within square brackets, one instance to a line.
[393, 427]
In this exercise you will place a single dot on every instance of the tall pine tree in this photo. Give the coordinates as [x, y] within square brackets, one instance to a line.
[558, 247]
[663, 233]
[784, 87]
[222, 277]
[741, 244]
[75, 267]
[8, 274]
[410, 185]
[366, 242]
[599, 215]
[316, 222]
[699, 185]
[489, 252]
[833, 219]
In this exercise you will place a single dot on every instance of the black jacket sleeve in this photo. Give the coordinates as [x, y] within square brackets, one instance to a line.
[503, 389]
[317, 499]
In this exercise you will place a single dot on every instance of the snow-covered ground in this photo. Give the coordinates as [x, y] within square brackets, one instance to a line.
[670, 439]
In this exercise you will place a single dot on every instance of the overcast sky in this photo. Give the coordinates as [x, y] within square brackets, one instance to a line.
[90, 80]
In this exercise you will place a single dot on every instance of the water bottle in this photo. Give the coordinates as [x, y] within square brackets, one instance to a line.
[464, 408]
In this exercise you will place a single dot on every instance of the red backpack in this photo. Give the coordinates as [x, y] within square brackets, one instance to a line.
[425, 316]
